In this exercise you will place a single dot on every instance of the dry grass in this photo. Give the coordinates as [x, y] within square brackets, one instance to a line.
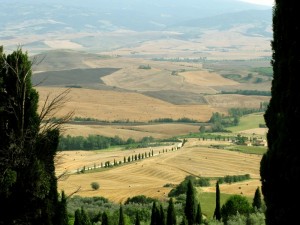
[111, 105]
[159, 131]
[150, 175]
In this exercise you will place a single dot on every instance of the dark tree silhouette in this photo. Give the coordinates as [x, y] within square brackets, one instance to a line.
[171, 215]
[190, 204]
[217, 213]
[28, 185]
[121, 216]
[137, 219]
[104, 219]
[198, 219]
[257, 202]
[280, 166]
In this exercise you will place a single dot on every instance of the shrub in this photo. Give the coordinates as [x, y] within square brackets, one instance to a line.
[95, 185]
[236, 204]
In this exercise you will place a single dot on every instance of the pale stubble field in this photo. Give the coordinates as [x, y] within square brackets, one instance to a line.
[148, 176]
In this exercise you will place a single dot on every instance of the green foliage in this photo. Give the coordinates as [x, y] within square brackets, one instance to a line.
[81, 218]
[121, 216]
[217, 212]
[104, 219]
[190, 209]
[145, 67]
[137, 219]
[140, 199]
[182, 187]
[257, 201]
[28, 186]
[279, 168]
[198, 219]
[171, 214]
[249, 92]
[265, 71]
[233, 178]
[236, 204]
[155, 214]
[95, 185]
[62, 213]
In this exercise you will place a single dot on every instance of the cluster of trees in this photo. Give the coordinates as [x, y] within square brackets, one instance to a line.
[141, 209]
[170, 120]
[181, 188]
[219, 121]
[249, 92]
[91, 142]
[192, 60]
[232, 179]
[96, 142]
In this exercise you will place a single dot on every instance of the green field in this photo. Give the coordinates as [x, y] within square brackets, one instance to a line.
[208, 202]
[258, 150]
[248, 122]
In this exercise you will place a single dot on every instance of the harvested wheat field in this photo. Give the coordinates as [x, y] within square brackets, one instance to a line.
[159, 131]
[148, 176]
[112, 105]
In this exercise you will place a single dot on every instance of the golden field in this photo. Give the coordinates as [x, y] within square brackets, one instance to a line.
[148, 176]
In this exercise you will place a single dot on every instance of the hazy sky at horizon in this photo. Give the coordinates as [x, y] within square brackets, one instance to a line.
[260, 2]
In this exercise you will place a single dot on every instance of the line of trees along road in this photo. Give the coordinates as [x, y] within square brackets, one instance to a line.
[28, 185]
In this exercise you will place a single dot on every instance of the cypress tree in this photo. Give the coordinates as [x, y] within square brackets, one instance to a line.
[62, 210]
[171, 215]
[198, 219]
[137, 219]
[154, 214]
[85, 220]
[217, 213]
[280, 170]
[162, 218]
[104, 219]
[257, 203]
[28, 185]
[121, 216]
[78, 219]
[184, 221]
[190, 204]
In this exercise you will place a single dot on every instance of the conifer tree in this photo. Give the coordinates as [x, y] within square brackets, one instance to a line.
[28, 185]
[162, 218]
[217, 213]
[137, 219]
[121, 216]
[78, 219]
[85, 220]
[154, 214]
[62, 210]
[190, 204]
[257, 202]
[184, 221]
[104, 219]
[280, 164]
[171, 215]
[198, 219]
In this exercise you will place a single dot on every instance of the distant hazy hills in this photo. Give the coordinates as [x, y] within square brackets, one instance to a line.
[52, 18]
